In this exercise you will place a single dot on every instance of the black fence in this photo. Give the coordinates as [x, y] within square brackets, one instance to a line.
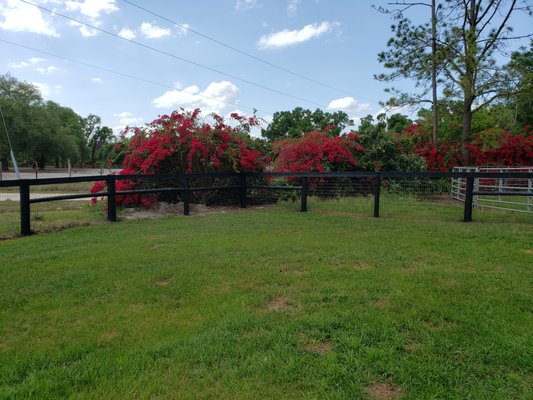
[240, 188]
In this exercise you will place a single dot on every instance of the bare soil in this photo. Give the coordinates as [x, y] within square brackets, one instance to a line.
[383, 391]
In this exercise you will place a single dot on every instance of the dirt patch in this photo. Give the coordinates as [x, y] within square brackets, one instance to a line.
[358, 265]
[383, 391]
[290, 270]
[444, 198]
[528, 251]
[162, 282]
[382, 303]
[319, 347]
[163, 209]
[412, 346]
[224, 287]
[361, 265]
[277, 303]
[109, 335]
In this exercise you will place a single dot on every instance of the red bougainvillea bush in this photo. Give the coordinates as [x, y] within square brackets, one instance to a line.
[182, 143]
[492, 147]
[505, 150]
[317, 152]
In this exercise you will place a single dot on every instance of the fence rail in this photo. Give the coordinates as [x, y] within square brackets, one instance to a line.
[503, 190]
[464, 181]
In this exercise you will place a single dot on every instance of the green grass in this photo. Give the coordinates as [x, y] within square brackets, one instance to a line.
[70, 187]
[48, 216]
[519, 203]
[273, 303]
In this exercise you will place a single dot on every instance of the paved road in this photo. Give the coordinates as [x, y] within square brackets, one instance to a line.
[28, 173]
[16, 196]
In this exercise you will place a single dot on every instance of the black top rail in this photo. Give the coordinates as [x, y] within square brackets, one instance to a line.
[186, 188]
[346, 174]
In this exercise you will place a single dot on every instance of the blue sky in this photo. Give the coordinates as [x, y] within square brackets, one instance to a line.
[333, 42]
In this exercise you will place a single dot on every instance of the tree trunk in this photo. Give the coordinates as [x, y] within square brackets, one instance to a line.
[466, 133]
[93, 156]
[5, 165]
[434, 70]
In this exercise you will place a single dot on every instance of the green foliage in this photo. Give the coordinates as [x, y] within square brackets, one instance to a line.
[470, 35]
[295, 123]
[41, 131]
[46, 132]
[398, 123]
[385, 150]
[521, 68]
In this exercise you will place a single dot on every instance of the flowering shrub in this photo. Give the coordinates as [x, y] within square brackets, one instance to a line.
[507, 150]
[181, 142]
[492, 147]
[317, 152]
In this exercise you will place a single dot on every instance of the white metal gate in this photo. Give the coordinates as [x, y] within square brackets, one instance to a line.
[497, 185]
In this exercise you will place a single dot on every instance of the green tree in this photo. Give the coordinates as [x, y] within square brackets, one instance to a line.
[102, 136]
[521, 69]
[40, 131]
[473, 33]
[96, 137]
[398, 123]
[413, 54]
[381, 151]
[299, 121]
[17, 100]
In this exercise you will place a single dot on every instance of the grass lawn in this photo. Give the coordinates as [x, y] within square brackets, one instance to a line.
[48, 216]
[273, 303]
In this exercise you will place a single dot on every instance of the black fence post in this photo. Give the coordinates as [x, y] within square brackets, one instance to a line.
[25, 228]
[305, 191]
[111, 199]
[469, 197]
[186, 196]
[377, 192]
[243, 189]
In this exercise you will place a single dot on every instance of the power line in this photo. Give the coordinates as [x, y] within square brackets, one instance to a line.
[185, 27]
[175, 56]
[127, 75]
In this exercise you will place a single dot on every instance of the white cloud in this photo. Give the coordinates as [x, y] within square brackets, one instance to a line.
[85, 30]
[127, 33]
[127, 118]
[17, 65]
[47, 90]
[24, 64]
[348, 104]
[286, 37]
[213, 99]
[44, 88]
[36, 60]
[92, 8]
[292, 6]
[22, 17]
[48, 70]
[183, 29]
[154, 32]
[246, 4]
[88, 32]
[97, 80]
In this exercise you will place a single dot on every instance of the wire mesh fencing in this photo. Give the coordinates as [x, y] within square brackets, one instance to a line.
[50, 204]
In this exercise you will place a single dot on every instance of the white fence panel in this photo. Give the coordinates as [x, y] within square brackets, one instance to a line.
[518, 203]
